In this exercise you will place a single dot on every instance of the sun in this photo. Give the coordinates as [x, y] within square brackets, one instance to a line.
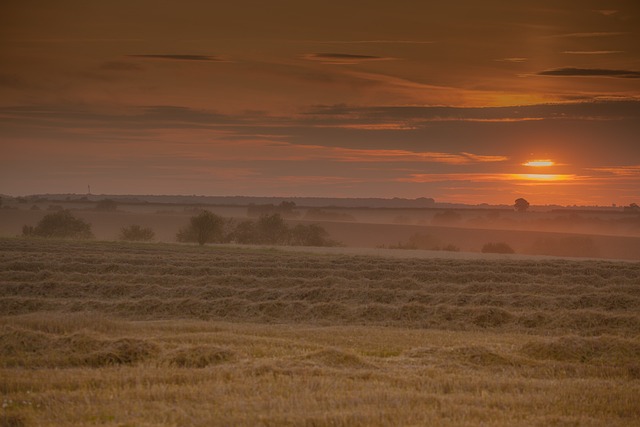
[539, 163]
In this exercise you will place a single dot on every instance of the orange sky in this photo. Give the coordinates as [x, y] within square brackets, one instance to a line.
[411, 99]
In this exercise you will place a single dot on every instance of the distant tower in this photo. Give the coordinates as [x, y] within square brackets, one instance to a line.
[88, 189]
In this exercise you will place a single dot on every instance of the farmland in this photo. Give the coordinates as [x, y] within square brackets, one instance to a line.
[165, 334]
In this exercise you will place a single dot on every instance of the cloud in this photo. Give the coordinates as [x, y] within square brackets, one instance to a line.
[515, 59]
[587, 35]
[490, 177]
[391, 155]
[592, 52]
[370, 41]
[620, 170]
[591, 72]
[180, 57]
[417, 116]
[606, 12]
[344, 58]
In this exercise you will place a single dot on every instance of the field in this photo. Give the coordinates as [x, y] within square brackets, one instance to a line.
[122, 334]
[365, 233]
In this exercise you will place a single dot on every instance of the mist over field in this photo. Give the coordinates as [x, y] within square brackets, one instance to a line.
[280, 314]
[319, 213]
[610, 233]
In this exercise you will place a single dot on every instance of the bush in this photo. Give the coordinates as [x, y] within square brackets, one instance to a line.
[60, 225]
[497, 248]
[204, 228]
[310, 235]
[271, 230]
[136, 233]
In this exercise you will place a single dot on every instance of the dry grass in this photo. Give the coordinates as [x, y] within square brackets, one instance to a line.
[133, 334]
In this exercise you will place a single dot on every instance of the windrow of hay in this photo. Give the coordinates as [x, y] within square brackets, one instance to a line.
[222, 283]
[602, 349]
[29, 348]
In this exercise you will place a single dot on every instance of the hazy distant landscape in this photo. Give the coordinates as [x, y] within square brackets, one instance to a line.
[403, 322]
[610, 233]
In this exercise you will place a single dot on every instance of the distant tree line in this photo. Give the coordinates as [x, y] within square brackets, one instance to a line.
[285, 209]
[206, 227]
[268, 229]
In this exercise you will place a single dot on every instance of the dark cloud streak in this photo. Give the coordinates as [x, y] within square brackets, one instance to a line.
[344, 58]
[180, 57]
[591, 72]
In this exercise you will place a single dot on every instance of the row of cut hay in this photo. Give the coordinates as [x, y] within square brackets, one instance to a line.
[583, 322]
[109, 288]
[603, 349]
[191, 257]
[322, 278]
[23, 347]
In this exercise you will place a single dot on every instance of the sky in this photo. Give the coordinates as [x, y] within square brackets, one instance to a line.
[463, 101]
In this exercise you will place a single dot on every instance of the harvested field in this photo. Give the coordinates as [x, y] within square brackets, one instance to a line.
[158, 334]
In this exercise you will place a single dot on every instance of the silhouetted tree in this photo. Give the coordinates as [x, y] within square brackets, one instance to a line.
[272, 230]
[310, 235]
[204, 228]
[244, 233]
[521, 205]
[633, 208]
[61, 224]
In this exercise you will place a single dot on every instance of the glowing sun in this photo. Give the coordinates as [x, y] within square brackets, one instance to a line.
[539, 163]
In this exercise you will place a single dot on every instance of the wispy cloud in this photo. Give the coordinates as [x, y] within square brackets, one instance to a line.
[588, 34]
[370, 41]
[591, 72]
[514, 59]
[344, 58]
[179, 57]
[620, 170]
[592, 52]
[382, 155]
[489, 177]
[606, 12]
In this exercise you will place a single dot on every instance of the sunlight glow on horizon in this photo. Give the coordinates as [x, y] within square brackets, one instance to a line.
[541, 177]
[539, 163]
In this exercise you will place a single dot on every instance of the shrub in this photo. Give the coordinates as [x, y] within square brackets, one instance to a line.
[271, 230]
[60, 224]
[497, 248]
[204, 228]
[244, 233]
[136, 233]
[310, 235]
